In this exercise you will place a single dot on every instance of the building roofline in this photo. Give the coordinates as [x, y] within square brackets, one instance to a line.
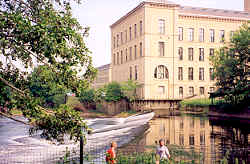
[182, 12]
[138, 7]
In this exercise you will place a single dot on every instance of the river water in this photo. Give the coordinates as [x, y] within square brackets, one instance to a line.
[213, 137]
[210, 137]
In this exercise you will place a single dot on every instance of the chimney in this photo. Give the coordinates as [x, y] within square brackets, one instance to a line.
[247, 5]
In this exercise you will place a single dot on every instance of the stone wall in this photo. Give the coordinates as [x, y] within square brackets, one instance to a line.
[113, 108]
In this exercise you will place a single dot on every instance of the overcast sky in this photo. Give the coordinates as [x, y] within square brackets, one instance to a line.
[100, 14]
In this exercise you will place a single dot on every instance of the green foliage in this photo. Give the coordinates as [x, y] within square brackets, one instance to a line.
[87, 95]
[231, 65]
[43, 32]
[129, 90]
[196, 103]
[113, 92]
[64, 121]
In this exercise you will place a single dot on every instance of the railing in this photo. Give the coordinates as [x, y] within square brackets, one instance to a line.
[133, 154]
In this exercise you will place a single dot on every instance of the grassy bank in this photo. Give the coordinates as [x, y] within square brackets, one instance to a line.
[205, 102]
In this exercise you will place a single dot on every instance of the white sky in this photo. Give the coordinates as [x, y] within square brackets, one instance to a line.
[100, 14]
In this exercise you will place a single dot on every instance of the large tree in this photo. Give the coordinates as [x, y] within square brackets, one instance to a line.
[232, 63]
[42, 32]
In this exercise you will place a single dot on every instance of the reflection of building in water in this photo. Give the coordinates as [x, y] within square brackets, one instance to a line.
[189, 132]
[200, 135]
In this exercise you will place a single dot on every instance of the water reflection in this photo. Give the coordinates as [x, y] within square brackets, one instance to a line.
[212, 137]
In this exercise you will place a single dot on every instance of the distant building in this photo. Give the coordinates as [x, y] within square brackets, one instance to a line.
[103, 76]
[166, 47]
[247, 5]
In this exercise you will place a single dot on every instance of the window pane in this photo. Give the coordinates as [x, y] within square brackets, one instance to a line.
[161, 48]
[190, 34]
[140, 27]
[190, 73]
[201, 73]
[190, 54]
[201, 34]
[140, 49]
[180, 52]
[180, 36]
[222, 35]
[121, 57]
[201, 54]
[201, 90]
[161, 26]
[135, 48]
[180, 73]
[212, 35]
[211, 72]
[135, 30]
[136, 74]
[161, 89]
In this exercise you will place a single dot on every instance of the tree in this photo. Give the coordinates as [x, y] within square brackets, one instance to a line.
[43, 32]
[231, 66]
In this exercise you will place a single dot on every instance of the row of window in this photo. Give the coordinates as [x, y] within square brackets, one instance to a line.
[131, 72]
[191, 53]
[161, 90]
[191, 73]
[201, 35]
[127, 54]
[191, 91]
[191, 139]
[119, 40]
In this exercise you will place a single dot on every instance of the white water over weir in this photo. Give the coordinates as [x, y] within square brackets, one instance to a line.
[16, 146]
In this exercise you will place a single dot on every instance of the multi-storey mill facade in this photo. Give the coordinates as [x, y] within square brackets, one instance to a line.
[166, 47]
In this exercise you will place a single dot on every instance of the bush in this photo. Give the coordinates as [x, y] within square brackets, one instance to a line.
[113, 92]
[87, 96]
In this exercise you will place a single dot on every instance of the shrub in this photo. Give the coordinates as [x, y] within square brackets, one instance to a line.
[113, 92]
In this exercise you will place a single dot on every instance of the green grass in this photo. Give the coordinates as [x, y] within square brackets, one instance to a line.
[199, 102]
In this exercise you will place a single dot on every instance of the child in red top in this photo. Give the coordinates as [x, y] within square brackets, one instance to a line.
[111, 155]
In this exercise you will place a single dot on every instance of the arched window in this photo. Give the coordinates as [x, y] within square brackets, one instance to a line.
[161, 72]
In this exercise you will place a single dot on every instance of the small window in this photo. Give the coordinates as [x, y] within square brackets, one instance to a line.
[140, 27]
[141, 49]
[190, 73]
[180, 53]
[136, 73]
[181, 91]
[126, 55]
[211, 52]
[161, 72]
[180, 35]
[201, 54]
[114, 59]
[190, 54]
[191, 91]
[201, 34]
[222, 36]
[135, 48]
[202, 138]
[190, 34]
[211, 73]
[161, 48]
[202, 90]
[212, 35]
[181, 139]
[201, 73]
[135, 30]
[180, 73]
[130, 53]
[161, 26]
[117, 58]
[191, 140]
[130, 33]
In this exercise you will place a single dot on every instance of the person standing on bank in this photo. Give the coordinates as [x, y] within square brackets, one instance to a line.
[162, 153]
[111, 154]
